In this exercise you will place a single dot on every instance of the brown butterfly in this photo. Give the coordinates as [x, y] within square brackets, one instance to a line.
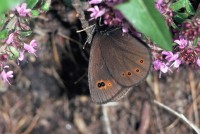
[117, 64]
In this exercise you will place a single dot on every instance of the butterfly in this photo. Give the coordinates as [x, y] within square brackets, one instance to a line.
[117, 64]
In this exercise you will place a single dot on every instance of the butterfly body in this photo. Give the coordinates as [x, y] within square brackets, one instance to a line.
[117, 63]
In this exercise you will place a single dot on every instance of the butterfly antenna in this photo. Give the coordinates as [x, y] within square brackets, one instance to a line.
[90, 36]
[100, 24]
[85, 29]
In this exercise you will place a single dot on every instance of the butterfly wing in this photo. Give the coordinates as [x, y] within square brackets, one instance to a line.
[127, 59]
[103, 87]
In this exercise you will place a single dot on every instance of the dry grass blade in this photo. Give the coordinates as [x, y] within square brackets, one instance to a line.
[55, 52]
[193, 91]
[181, 116]
[156, 87]
[32, 125]
[80, 124]
[145, 118]
[106, 119]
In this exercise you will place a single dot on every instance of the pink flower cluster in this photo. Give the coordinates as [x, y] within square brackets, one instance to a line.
[185, 53]
[110, 16]
[164, 9]
[30, 48]
[14, 47]
[19, 47]
[23, 11]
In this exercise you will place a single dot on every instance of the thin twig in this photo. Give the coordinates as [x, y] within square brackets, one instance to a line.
[172, 124]
[106, 119]
[181, 116]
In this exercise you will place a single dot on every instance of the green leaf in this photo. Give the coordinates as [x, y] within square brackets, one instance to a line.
[180, 17]
[195, 42]
[183, 4]
[11, 24]
[2, 19]
[3, 34]
[26, 33]
[31, 3]
[176, 5]
[189, 7]
[46, 5]
[174, 25]
[35, 13]
[8, 4]
[13, 53]
[143, 15]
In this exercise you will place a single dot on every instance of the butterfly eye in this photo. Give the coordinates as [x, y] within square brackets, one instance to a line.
[100, 84]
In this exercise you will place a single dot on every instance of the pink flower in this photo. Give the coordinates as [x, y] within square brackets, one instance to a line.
[164, 68]
[198, 43]
[176, 63]
[31, 47]
[159, 7]
[10, 39]
[23, 11]
[170, 56]
[159, 2]
[6, 75]
[21, 55]
[95, 1]
[158, 65]
[96, 12]
[198, 62]
[182, 42]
